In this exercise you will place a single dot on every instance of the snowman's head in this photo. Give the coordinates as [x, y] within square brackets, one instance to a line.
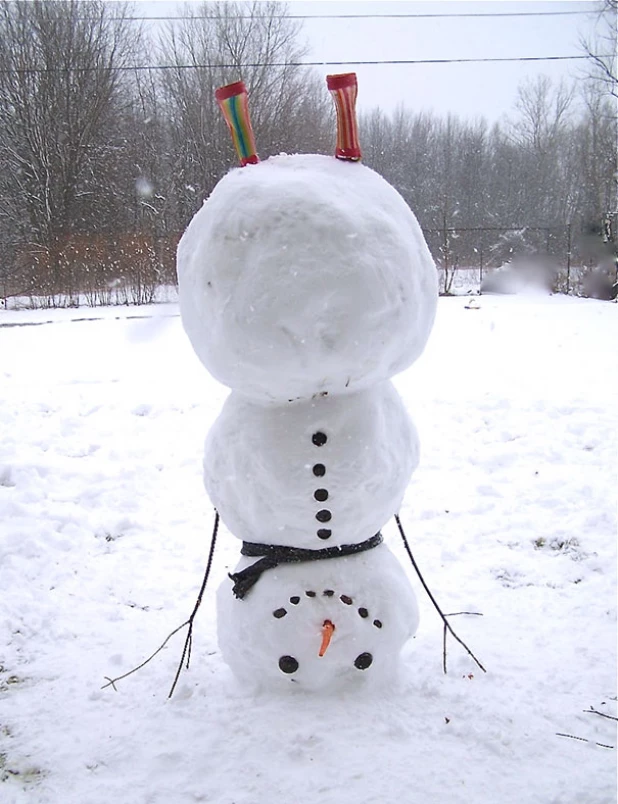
[314, 630]
[305, 275]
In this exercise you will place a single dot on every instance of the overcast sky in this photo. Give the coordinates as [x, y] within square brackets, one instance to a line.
[468, 90]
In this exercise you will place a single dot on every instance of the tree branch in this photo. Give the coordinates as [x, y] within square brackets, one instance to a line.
[594, 711]
[443, 616]
[583, 740]
[186, 652]
[189, 640]
[111, 682]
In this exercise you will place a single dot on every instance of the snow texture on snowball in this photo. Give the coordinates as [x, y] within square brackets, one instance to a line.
[259, 466]
[304, 274]
[367, 597]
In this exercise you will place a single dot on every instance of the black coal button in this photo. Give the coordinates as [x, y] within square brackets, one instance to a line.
[363, 661]
[288, 664]
[319, 439]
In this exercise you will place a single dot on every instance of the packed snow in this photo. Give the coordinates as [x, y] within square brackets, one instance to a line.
[305, 284]
[104, 533]
[366, 598]
[259, 460]
[275, 267]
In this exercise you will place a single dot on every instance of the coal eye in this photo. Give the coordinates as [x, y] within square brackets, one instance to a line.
[288, 664]
[363, 661]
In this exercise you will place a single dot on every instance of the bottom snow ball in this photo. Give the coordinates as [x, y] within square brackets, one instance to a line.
[319, 625]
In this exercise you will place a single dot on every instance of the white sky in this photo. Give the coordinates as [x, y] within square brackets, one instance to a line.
[468, 90]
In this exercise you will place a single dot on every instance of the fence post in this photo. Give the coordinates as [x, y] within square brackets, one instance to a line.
[445, 254]
[481, 264]
[568, 282]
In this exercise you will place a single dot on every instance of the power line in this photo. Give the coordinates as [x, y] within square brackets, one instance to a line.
[142, 67]
[366, 16]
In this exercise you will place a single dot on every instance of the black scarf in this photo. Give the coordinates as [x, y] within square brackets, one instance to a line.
[275, 554]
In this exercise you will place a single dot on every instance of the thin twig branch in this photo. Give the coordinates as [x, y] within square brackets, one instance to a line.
[189, 640]
[472, 613]
[111, 682]
[601, 714]
[447, 626]
[444, 632]
[583, 740]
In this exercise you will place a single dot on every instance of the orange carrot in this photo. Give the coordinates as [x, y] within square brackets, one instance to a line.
[327, 632]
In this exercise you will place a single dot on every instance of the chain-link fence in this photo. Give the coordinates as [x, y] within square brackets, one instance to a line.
[93, 270]
[128, 268]
[559, 258]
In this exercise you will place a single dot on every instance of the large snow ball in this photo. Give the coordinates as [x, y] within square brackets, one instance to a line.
[272, 638]
[305, 274]
[313, 473]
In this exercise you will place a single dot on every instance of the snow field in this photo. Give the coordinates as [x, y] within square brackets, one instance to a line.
[104, 529]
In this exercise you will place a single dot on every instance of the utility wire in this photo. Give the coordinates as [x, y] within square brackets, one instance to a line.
[141, 67]
[367, 16]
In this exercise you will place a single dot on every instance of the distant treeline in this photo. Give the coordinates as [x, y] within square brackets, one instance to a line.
[102, 165]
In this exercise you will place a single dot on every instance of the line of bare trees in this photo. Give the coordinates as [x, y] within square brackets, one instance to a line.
[104, 162]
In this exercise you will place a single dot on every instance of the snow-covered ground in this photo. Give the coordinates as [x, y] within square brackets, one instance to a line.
[104, 530]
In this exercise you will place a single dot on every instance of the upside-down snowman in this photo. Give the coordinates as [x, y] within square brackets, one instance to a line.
[305, 285]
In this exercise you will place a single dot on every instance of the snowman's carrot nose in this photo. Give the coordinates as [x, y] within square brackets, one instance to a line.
[327, 632]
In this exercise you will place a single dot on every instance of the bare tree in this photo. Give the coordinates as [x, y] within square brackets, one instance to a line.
[542, 112]
[60, 89]
[541, 135]
[595, 139]
[527, 186]
[221, 43]
[376, 138]
[601, 48]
